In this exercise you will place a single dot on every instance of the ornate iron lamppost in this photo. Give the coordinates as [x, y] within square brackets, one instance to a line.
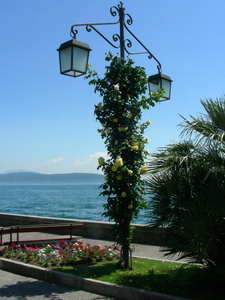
[73, 54]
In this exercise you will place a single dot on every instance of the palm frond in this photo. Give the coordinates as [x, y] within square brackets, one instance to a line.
[171, 156]
[215, 111]
[208, 128]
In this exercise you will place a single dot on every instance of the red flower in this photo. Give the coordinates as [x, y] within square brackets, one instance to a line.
[13, 246]
[96, 247]
[60, 251]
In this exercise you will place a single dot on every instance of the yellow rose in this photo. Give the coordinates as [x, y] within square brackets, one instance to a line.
[101, 161]
[143, 170]
[134, 147]
[114, 168]
[118, 162]
[130, 172]
[123, 195]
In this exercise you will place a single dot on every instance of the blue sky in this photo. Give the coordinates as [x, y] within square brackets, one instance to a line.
[47, 120]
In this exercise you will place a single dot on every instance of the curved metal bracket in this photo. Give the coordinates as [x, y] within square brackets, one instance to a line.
[150, 55]
[124, 20]
[74, 31]
[89, 28]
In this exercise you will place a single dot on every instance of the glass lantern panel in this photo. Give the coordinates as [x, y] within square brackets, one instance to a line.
[166, 84]
[154, 87]
[80, 59]
[65, 59]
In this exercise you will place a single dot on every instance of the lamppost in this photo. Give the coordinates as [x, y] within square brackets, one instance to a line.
[122, 91]
[74, 54]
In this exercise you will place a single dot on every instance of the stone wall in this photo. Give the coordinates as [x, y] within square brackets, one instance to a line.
[143, 234]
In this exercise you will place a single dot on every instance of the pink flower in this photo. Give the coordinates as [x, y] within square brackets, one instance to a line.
[116, 87]
[77, 245]
[30, 248]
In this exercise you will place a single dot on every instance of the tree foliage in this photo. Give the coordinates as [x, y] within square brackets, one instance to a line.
[123, 90]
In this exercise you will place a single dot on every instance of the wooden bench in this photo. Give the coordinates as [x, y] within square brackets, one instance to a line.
[48, 228]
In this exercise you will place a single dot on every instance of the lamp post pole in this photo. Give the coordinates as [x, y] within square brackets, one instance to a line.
[122, 41]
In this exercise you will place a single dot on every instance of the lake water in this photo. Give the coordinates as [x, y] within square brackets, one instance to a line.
[77, 201]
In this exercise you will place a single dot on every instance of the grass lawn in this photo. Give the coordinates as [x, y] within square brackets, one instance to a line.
[185, 280]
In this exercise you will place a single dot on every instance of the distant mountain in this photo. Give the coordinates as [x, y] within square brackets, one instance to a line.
[32, 177]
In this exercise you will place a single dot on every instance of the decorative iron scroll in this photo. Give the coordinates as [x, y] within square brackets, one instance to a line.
[124, 20]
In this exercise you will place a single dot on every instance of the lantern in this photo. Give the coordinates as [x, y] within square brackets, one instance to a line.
[73, 58]
[160, 82]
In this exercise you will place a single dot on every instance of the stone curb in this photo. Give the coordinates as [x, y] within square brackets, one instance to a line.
[77, 282]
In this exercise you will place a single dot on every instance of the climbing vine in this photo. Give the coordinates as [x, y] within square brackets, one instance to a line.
[123, 90]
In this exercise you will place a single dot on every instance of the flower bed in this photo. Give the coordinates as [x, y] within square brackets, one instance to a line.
[60, 253]
[99, 264]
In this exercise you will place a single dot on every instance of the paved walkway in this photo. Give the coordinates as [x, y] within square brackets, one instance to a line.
[14, 286]
[18, 287]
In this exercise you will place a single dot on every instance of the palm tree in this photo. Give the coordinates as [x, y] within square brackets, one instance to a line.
[187, 184]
